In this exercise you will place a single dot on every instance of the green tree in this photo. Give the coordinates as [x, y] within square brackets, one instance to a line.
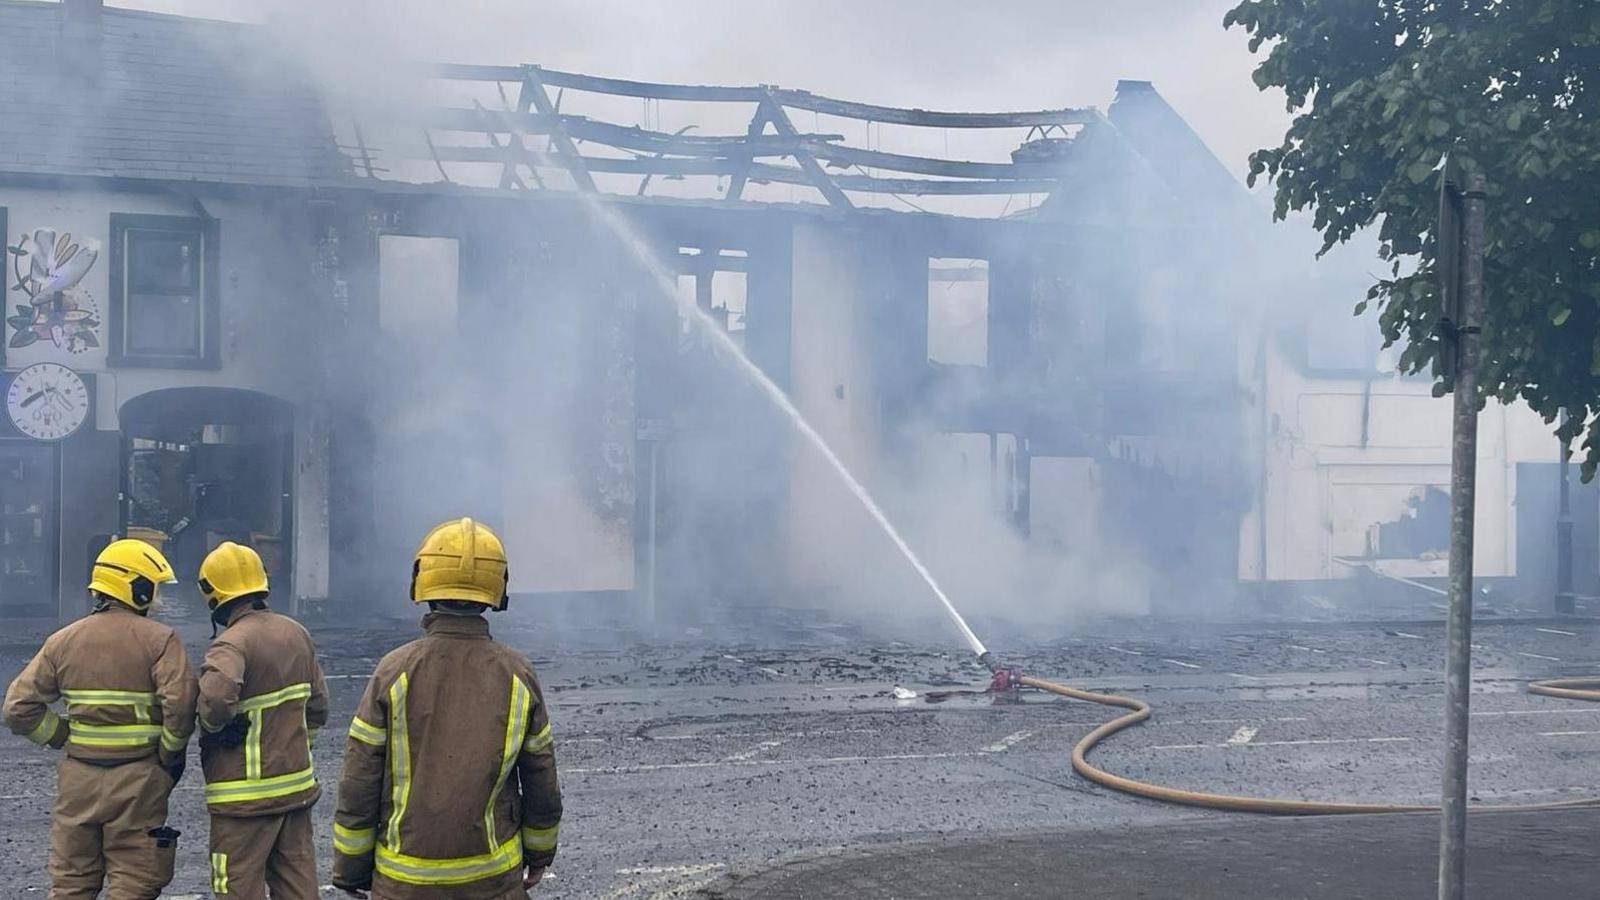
[1381, 90]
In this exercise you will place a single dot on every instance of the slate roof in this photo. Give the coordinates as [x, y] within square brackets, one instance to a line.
[177, 99]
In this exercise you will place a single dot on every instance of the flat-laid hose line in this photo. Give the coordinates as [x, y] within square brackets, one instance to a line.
[1572, 688]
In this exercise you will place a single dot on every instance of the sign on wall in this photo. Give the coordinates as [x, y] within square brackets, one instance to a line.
[52, 315]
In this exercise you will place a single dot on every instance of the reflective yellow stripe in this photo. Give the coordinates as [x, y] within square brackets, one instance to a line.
[110, 698]
[248, 789]
[46, 729]
[219, 873]
[516, 727]
[301, 691]
[368, 734]
[416, 870]
[354, 841]
[114, 735]
[255, 708]
[252, 747]
[172, 743]
[399, 759]
[540, 840]
[541, 741]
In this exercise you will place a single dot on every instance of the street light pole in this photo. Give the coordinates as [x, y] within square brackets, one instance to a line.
[1566, 601]
[1463, 475]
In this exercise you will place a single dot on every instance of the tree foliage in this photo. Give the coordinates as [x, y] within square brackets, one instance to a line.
[1381, 90]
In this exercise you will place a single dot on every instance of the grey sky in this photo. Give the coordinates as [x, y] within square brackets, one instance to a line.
[952, 54]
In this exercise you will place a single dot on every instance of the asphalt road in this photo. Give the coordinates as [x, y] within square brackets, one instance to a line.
[693, 767]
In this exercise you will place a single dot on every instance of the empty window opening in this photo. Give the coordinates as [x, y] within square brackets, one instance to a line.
[418, 291]
[958, 311]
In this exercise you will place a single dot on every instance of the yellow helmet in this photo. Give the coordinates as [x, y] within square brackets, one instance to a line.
[128, 571]
[231, 571]
[461, 560]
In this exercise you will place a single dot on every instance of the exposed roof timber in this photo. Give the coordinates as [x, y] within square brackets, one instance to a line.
[926, 165]
[533, 88]
[767, 172]
[793, 99]
[928, 118]
[819, 145]
[628, 137]
[815, 176]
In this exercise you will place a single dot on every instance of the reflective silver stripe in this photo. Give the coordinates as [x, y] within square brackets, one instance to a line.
[368, 734]
[85, 735]
[256, 708]
[418, 870]
[172, 743]
[46, 729]
[540, 742]
[246, 790]
[80, 697]
[516, 727]
[354, 841]
[399, 759]
[541, 840]
[252, 747]
[300, 691]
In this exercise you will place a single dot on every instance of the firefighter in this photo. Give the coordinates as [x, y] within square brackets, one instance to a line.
[130, 698]
[449, 787]
[262, 699]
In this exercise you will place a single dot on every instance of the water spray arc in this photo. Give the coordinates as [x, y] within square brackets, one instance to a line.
[1009, 679]
[664, 282]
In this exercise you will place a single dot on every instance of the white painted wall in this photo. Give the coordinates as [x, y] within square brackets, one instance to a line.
[1326, 491]
[264, 323]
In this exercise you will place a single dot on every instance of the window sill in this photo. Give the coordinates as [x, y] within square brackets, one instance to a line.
[163, 362]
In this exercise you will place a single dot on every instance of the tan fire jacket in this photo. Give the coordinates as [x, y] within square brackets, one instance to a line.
[263, 666]
[126, 679]
[449, 785]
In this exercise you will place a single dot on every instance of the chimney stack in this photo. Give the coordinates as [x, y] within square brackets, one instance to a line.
[80, 40]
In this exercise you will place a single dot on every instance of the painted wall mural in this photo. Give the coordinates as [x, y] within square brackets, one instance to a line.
[47, 270]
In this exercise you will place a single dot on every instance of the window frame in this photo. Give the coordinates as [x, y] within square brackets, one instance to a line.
[208, 232]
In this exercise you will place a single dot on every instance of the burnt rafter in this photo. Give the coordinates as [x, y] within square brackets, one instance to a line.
[772, 149]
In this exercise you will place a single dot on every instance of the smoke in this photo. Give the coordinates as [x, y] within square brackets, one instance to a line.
[527, 372]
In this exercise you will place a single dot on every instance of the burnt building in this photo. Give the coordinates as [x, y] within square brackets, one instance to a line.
[320, 327]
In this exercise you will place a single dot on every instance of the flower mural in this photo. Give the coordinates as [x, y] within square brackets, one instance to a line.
[48, 268]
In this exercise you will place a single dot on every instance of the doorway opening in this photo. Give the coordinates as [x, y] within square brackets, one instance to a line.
[29, 528]
[207, 465]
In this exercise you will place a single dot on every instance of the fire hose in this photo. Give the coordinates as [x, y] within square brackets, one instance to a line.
[1139, 711]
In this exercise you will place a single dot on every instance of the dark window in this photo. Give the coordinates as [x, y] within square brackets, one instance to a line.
[164, 291]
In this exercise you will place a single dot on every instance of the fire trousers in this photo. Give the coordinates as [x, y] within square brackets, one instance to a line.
[100, 831]
[252, 854]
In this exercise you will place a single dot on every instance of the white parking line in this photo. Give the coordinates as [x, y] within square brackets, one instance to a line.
[1179, 662]
[1244, 676]
[1557, 631]
[1407, 634]
[1539, 656]
[672, 870]
[1538, 712]
[1565, 733]
[715, 763]
[1305, 648]
[1008, 742]
[1124, 650]
[1371, 660]
[1318, 742]
[754, 751]
[663, 882]
[1244, 735]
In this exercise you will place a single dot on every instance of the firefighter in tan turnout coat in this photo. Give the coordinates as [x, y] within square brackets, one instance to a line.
[130, 698]
[262, 698]
[449, 787]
